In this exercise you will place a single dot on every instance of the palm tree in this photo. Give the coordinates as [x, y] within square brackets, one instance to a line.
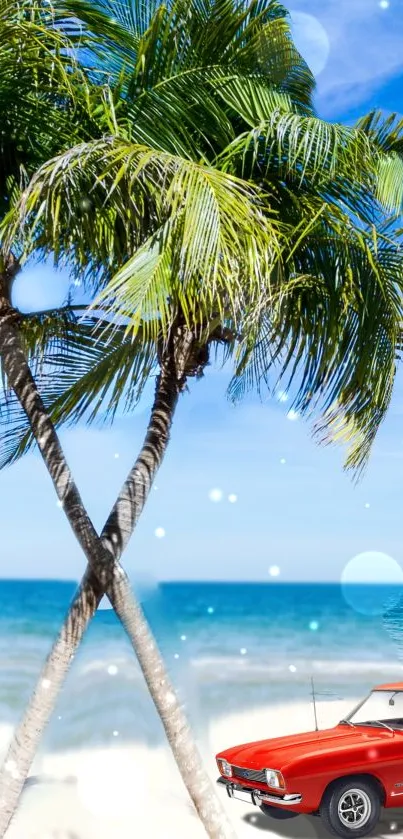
[20, 379]
[197, 271]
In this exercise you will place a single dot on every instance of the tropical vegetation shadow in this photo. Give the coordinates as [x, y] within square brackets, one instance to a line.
[309, 827]
[302, 827]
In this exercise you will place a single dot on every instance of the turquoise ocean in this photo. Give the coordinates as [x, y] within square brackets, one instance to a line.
[228, 647]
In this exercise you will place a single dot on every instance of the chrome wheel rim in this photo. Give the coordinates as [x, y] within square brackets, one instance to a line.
[354, 808]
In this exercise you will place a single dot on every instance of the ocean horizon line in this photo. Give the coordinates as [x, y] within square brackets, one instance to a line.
[212, 582]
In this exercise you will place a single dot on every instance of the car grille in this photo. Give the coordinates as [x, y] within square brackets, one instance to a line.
[256, 775]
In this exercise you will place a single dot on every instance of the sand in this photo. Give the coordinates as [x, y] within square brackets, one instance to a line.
[131, 791]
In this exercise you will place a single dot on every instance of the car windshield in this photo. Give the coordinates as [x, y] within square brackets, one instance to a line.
[383, 708]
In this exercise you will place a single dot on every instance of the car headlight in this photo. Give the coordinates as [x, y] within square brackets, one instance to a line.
[224, 767]
[274, 779]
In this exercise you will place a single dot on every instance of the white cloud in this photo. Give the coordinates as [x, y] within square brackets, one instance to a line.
[365, 49]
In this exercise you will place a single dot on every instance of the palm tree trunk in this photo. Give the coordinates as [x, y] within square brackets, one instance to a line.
[112, 579]
[115, 535]
[25, 741]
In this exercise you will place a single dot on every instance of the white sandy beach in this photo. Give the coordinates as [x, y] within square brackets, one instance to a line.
[134, 791]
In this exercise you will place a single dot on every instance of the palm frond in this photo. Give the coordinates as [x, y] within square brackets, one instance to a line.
[187, 175]
[215, 233]
[183, 115]
[390, 182]
[84, 371]
[304, 148]
[386, 133]
[340, 364]
[154, 41]
[43, 94]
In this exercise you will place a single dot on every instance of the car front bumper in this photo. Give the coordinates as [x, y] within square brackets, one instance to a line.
[257, 796]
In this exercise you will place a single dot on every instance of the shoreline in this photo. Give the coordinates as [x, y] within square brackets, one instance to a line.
[102, 793]
[129, 789]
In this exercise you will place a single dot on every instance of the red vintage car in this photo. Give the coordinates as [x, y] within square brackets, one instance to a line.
[344, 774]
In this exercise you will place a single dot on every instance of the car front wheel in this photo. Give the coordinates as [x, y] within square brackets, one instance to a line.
[351, 808]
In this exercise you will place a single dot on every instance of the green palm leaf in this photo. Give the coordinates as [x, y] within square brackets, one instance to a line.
[82, 373]
[149, 207]
[41, 86]
[387, 134]
[344, 375]
[156, 41]
[301, 147]
[218, 248]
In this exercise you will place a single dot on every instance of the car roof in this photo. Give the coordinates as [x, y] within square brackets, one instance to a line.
[390, 686]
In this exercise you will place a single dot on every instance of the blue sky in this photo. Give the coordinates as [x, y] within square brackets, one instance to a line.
[294, 510]
[363, 43]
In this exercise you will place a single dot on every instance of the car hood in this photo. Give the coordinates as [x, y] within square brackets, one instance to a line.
[280, 751]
